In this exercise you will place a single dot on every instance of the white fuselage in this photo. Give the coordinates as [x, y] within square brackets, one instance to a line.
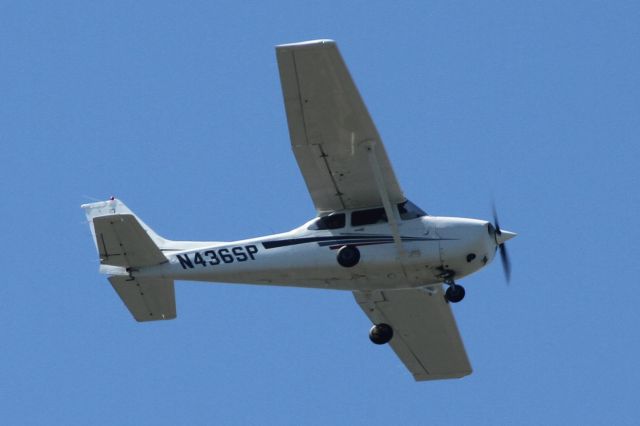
[432, 249]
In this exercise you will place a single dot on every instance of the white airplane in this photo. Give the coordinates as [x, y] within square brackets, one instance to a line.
[367, 237]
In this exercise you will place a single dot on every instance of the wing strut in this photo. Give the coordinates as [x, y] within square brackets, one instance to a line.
[370, 146]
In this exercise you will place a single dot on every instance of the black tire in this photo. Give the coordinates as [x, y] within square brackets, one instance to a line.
[348, 256]
[454, 294]
[381, 334]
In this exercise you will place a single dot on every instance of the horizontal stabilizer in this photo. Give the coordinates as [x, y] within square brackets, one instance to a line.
[122, 241]
[148, 299]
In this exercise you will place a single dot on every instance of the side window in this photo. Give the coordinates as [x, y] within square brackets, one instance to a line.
[334, 221]
[368, 217]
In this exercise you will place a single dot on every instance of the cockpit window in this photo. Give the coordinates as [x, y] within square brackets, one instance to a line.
[408, 211]
[333, 221]
[368, 217]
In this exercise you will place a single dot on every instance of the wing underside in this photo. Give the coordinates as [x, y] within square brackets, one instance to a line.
[426, 337]
[331, 130]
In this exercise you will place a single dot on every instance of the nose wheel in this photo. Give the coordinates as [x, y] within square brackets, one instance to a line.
[454, 293]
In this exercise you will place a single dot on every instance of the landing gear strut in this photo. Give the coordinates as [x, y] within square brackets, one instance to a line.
[454, 293]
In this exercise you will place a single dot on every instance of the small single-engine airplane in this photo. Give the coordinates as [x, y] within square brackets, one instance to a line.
[367, 237]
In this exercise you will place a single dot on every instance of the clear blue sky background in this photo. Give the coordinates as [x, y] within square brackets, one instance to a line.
[176, 109]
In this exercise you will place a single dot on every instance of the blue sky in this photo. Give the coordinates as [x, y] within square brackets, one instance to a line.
[176, 109]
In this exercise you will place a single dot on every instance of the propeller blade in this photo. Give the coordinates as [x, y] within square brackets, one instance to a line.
[500, 240]
[506, 263]
[495, 220]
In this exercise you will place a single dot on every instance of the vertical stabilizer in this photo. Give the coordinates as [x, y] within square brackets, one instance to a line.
[116, 207]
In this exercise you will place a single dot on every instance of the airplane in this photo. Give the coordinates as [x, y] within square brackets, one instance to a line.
[401, 264]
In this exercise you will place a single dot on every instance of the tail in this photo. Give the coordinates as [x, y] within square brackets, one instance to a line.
[125, 243]
[121, 238]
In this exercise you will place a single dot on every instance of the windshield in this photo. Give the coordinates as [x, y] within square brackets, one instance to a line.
[408, 211]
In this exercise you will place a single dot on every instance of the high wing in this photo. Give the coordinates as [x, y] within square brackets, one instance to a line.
[331, 130]
[426, 338]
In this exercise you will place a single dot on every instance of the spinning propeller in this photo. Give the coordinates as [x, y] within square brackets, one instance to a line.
[501, 237]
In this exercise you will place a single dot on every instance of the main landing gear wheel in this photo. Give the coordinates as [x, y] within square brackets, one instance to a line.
[381, 333]
[348, 256]
[454, 293]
